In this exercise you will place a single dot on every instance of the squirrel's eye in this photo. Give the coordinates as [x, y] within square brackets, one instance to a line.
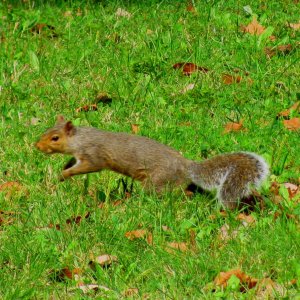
[55, 138]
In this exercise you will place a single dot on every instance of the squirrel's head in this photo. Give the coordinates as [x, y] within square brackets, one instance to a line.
[55, 140]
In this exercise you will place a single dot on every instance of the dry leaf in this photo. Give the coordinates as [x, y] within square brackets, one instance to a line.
[268, 289]
[281, 49]
[295, 107]
[135, 128]
[254, 27]
[87, 108]
[6, 217]
[246, 219]
[123, 13]
[104, 260]
[187, 88]
[295, 26]
[181, 246]
[245, 280]
[10, 186]
[130, 292]
[231, 126]
[77, 219]
[226, 233]
[189, 68]
[229, 79]
[293, 189]
[65, 273]
[140, 234]
[68, 14]
[292, 124]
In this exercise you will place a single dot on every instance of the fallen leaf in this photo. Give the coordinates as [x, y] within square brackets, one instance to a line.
[230, 79]
[77, 219]
[245, 219]
[10, 185]
[6, 217]
[130, 292]
[189, 68]
[123, 13]
[189, 87]
[226, 233]
[293, 189]
[272, 38]
[295, 107]
[253, 28]
[295, 26]
[281, 49]
[268, 289]
[292, 124]
[104, 261]
[135, 128]
[232, 127]
[191, 8]
[65, 273]
[34, 121]
[166, 228]
[245, 280]
[140, 234]
[68, 14]
[87, 108]
[42, 27]
[181, 246]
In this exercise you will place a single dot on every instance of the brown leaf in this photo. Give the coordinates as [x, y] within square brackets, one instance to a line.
[230, 79]
[189, 68]
[123, 13]
[42, 27]
[87, 108]
[104, 261]
[281, 49]
[10, 186]
[130, 292]
[245, 280]
[254, 28]
[232, 127]
[65, 273]
[181, 246]
[68, 14]
[246, 219]
[140, 234]
[295, 107]
[293, 189]
[295, 26]
[135, 128]
[267, 289]
[292, 124]
[77, 219]
[226, 233]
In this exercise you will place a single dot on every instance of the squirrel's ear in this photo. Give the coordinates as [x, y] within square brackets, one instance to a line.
[69, 128]
[60, 119]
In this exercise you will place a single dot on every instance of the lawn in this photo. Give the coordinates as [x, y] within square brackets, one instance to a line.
[110, 65]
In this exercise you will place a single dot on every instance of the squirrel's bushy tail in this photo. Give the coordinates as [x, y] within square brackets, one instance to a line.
[233, 175]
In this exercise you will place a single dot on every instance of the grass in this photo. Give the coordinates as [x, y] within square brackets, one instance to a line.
[131, 59]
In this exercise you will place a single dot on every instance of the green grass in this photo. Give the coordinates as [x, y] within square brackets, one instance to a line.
[131, 59]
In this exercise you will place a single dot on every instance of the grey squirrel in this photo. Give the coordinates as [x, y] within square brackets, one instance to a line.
[153, 164]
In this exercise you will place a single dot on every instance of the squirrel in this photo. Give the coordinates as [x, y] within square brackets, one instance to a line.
[154, 164]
